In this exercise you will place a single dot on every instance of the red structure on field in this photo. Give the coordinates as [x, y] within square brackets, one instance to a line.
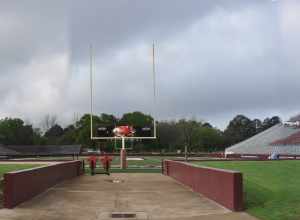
[37, 180]
[223, 186]
[123, 159]
[105, 161]
[124, 131]
[93, 162]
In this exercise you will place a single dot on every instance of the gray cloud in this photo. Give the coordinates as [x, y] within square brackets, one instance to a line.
[34, 57]
[215, 59]
[116, 24]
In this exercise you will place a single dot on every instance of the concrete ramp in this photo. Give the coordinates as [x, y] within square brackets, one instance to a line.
[121, 196]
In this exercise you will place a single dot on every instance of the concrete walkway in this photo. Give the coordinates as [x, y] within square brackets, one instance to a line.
[148, 196]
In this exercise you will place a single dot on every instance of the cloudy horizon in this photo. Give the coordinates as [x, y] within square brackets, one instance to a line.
[215, 59]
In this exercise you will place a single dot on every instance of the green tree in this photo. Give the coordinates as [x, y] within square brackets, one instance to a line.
[189, 132]
[269, 122]
[69, 135]
[84, 129]
[239, 128]
[13, 131]
[257, 124]
[210, 139]
[136, 119]
[53, 134]
[107, 119]
[38, 138]
[169, 136]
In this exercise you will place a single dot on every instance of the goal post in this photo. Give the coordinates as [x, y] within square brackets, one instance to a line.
[95, 137]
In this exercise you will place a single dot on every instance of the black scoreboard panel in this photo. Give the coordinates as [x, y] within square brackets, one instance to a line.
[143, 131]
[105, 131]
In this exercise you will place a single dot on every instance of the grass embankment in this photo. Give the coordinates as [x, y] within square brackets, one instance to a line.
[272, 188]
[4, 168]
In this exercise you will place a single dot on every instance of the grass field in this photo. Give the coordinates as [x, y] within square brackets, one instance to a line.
[272, 188]
[4, 168]
[147, 162]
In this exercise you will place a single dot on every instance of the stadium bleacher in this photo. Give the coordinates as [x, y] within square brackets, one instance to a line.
[40, 150]
[280, 139]
[7, 152]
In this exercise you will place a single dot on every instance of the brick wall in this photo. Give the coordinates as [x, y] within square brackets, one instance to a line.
[20, 186]
[223, 186]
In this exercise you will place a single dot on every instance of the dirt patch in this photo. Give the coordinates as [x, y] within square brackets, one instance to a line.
[115, 181]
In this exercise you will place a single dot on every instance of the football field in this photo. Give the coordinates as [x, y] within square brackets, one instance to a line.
[272, 188]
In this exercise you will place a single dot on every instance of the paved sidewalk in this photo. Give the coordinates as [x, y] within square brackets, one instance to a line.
[148, 196]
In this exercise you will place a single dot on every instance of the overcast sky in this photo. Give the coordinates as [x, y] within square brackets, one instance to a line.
[215, 59]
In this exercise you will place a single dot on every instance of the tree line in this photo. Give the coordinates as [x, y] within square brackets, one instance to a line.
[197, 136]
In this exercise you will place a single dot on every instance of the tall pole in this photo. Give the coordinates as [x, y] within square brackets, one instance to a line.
[91, 87]
[154, 89]
[123, 155]
[123, 143]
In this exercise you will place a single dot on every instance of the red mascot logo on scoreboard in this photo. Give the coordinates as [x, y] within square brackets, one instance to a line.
[124, 131]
